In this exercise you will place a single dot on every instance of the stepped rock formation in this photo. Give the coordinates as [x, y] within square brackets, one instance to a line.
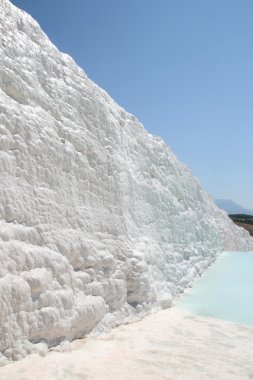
[98, 219]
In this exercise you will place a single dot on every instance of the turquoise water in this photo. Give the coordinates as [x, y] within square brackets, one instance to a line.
[225, 291]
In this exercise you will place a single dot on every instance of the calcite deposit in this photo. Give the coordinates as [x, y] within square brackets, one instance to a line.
[98, 219]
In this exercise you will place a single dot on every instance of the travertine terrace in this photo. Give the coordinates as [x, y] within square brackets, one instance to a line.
[98, 219]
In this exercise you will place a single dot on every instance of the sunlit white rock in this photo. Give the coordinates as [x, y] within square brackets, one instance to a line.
[98, 219]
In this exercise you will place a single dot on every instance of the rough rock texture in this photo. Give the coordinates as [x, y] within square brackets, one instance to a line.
[98, 219]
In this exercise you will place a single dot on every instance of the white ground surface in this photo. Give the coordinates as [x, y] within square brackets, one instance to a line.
[170, 344]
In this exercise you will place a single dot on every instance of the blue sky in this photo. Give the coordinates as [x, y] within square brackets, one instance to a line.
[184, 68]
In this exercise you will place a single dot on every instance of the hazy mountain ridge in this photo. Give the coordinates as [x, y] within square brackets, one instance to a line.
[231, 207]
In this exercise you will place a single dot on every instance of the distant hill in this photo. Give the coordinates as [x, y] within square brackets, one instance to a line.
[231, 207]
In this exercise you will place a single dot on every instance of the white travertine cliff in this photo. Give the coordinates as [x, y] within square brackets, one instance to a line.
[98, 219]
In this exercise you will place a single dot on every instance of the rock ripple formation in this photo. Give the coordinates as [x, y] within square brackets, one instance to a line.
[98, 219]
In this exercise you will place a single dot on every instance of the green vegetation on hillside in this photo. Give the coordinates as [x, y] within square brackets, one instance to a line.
[242, 218]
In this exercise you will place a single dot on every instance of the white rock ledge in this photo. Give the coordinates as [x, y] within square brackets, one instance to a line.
[98, 219]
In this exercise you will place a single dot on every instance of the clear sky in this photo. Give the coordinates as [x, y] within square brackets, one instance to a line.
[183, 67]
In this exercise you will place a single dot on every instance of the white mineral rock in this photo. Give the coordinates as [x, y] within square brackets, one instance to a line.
[98, 219]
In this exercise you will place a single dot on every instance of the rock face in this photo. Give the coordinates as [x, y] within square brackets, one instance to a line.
[98, 219]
